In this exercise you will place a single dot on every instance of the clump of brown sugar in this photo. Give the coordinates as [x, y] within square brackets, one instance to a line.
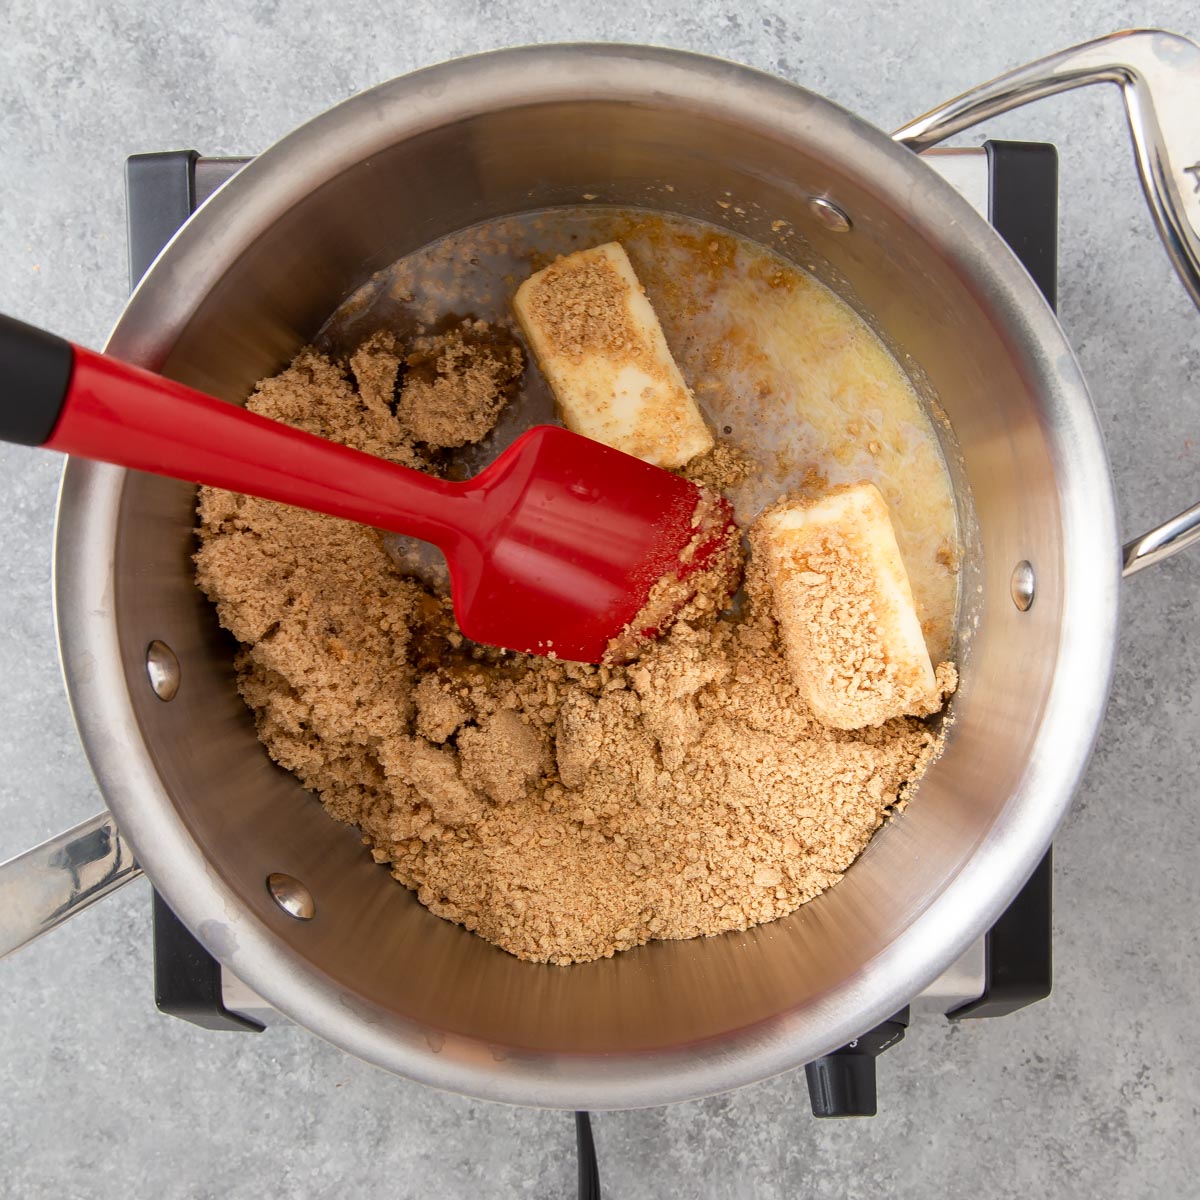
[562, 811]
[456, 383]
[724, 467]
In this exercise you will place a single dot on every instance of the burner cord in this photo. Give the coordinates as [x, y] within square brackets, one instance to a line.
[589, 1170]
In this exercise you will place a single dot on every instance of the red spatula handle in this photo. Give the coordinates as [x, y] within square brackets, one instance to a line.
[66, 398]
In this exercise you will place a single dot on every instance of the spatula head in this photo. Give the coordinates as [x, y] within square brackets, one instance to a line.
[570, 537]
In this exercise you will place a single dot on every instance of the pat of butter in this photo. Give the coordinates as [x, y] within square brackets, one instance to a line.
[599, 343]
[845, 608]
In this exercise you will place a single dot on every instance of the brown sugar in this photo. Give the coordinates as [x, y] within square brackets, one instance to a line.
[562, 811]
[722, 468]
[456, 384]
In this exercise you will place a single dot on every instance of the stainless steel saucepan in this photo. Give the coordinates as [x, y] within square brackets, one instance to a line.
[254, 273]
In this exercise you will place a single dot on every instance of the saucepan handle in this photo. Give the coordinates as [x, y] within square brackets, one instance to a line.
[44, 886]
[1159, 77]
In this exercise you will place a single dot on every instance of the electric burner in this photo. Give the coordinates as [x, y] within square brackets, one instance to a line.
[1015, 185]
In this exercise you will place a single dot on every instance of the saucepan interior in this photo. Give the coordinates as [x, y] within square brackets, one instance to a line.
[255, 275]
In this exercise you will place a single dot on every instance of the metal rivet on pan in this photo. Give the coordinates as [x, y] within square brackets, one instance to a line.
[1023, 585]
[828, 213]
[291, 895]
[162, 668]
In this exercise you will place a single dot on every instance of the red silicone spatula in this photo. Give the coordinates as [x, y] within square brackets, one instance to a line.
[553, 548]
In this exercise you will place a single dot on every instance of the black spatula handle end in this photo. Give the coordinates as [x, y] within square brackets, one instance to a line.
[35, 375]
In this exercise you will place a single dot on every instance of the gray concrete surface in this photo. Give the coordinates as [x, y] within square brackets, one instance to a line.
[1093, 1093]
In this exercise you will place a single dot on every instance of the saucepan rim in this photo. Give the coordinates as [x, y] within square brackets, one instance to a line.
[192, 265]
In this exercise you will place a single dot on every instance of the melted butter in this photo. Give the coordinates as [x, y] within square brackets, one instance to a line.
[798, 380]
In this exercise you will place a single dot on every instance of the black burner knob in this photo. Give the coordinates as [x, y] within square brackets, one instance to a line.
[842, 1084]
